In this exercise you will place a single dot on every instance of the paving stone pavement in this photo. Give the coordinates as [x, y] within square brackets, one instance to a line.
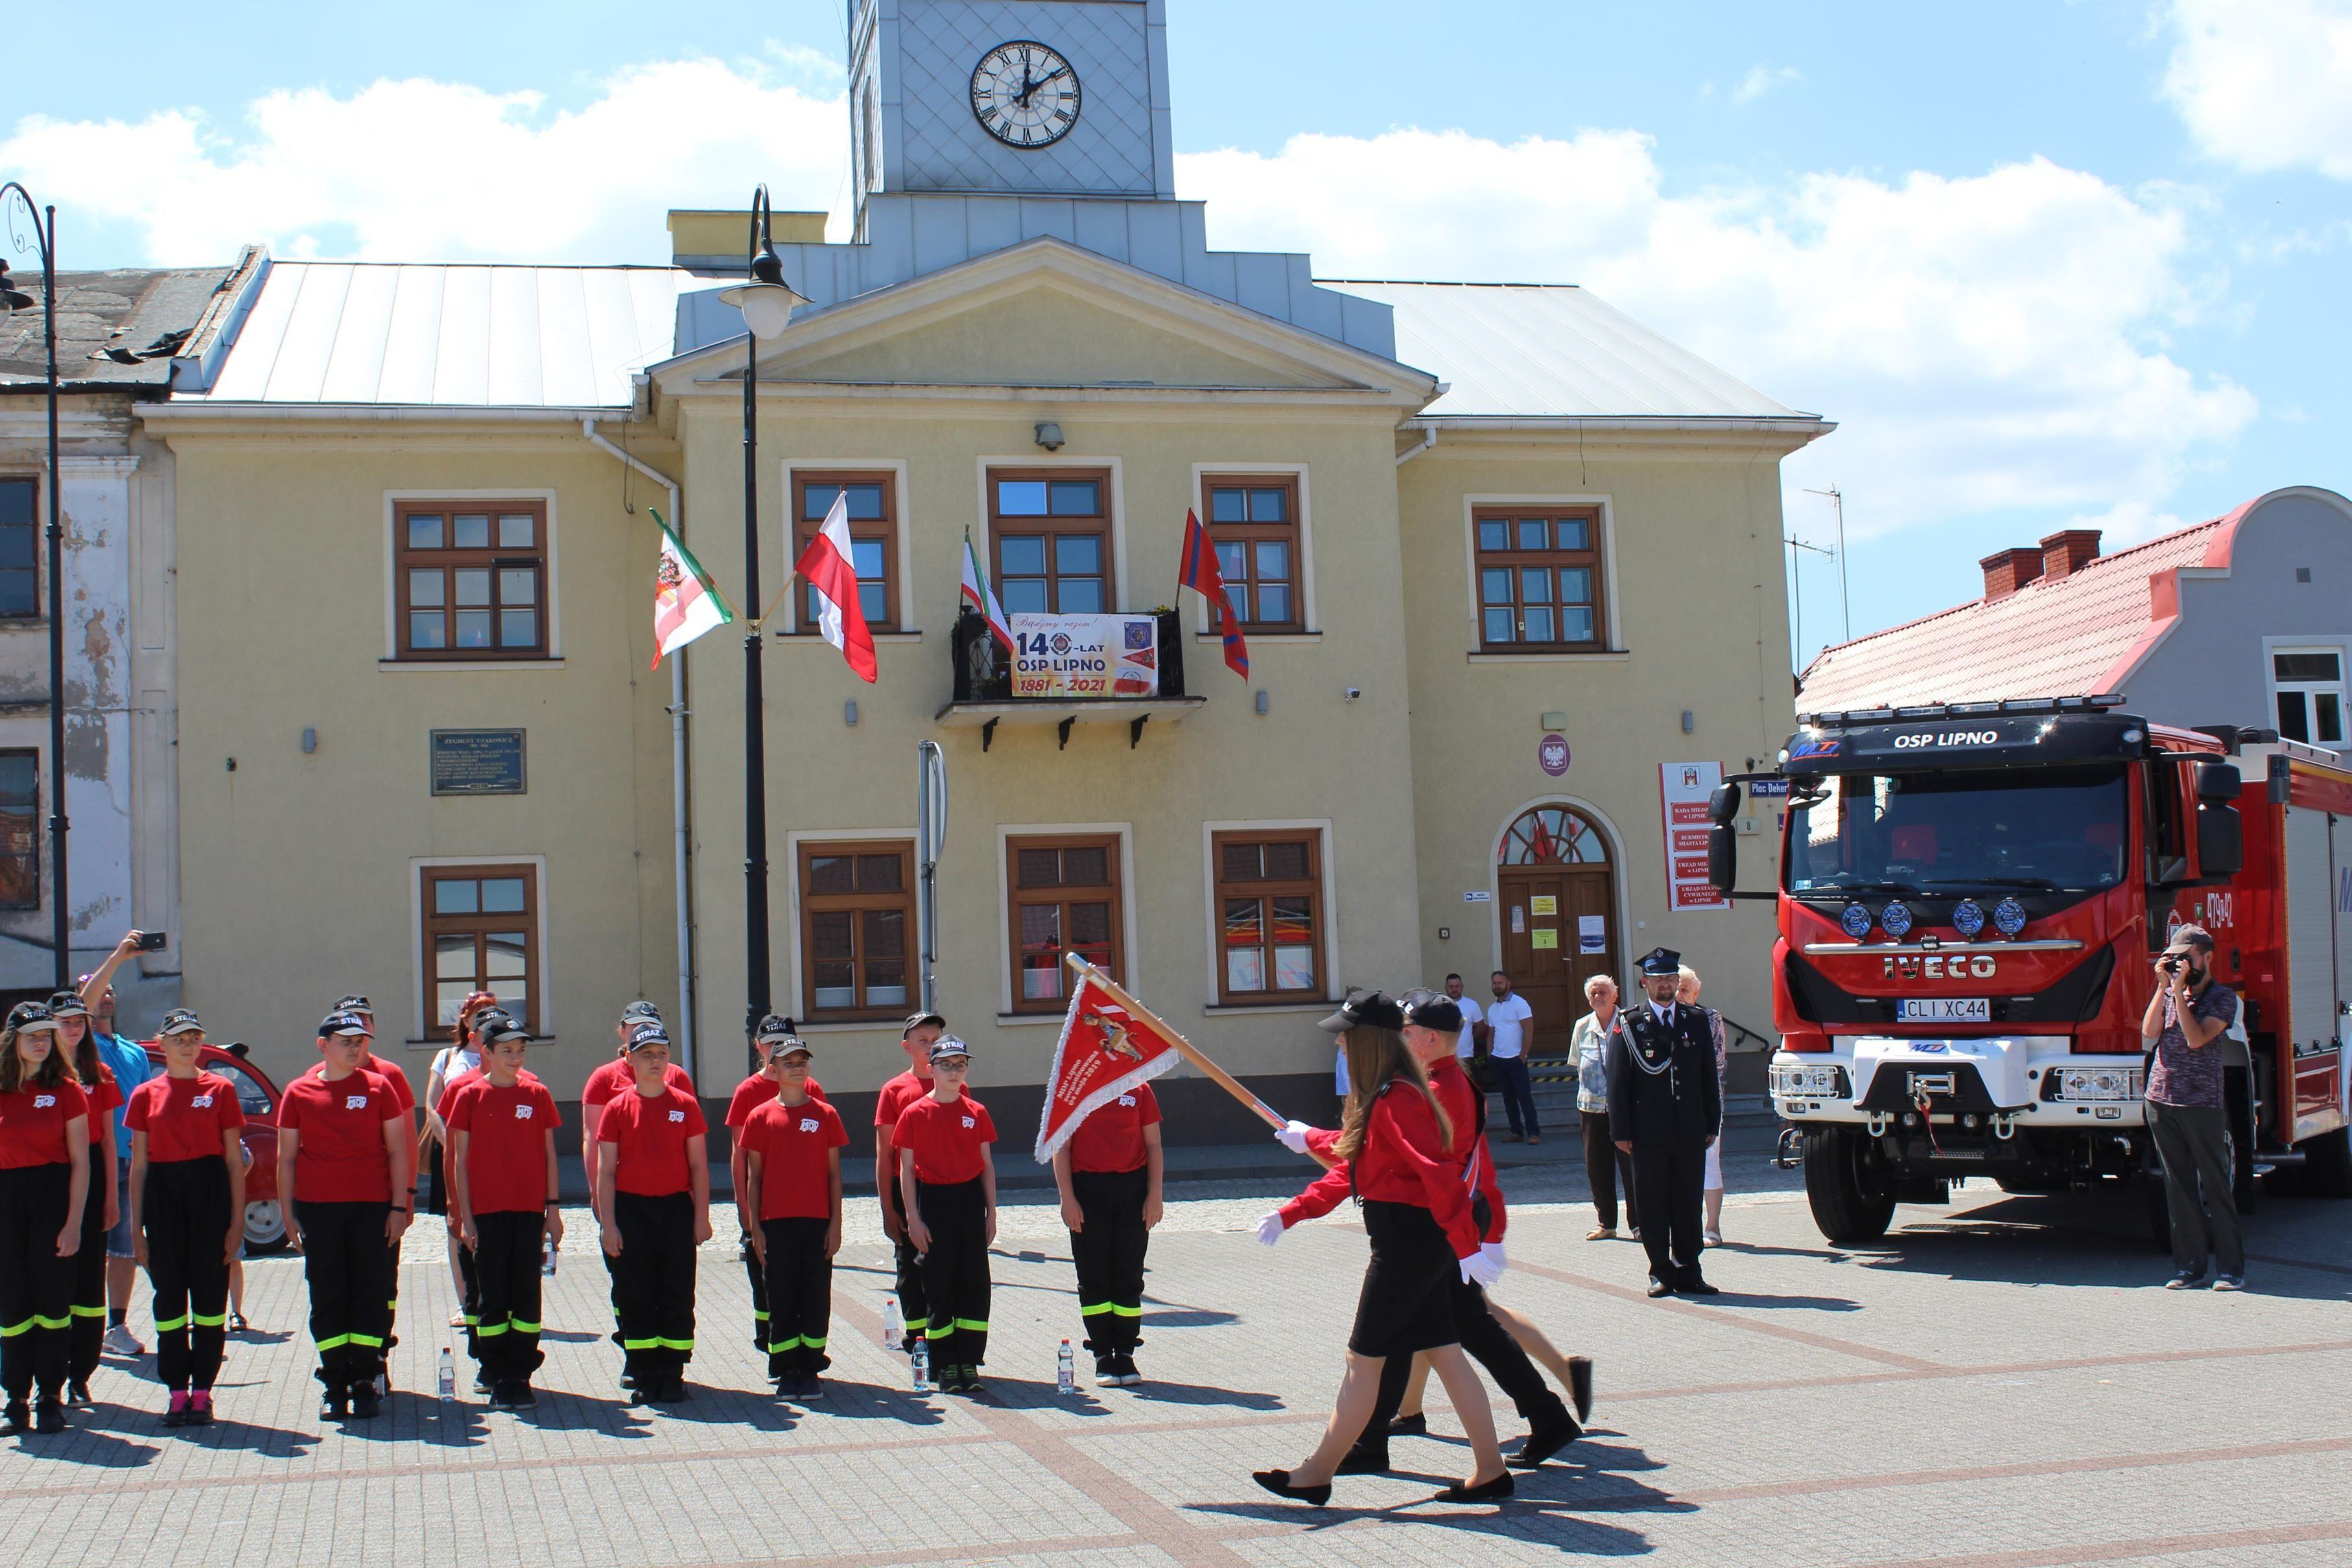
[2001, 1385]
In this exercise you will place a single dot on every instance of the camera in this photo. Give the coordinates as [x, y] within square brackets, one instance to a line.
[1355, 691]
[2171, 965]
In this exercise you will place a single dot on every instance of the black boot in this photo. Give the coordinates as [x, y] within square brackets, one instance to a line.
[50, 1416]
[18, 1418]
[335, 1404]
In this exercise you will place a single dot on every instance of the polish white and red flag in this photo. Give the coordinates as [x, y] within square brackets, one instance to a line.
[829, 568]
[685, 601]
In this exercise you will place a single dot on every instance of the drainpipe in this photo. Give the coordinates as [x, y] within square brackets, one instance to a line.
[1428, 440]
[685, 1025]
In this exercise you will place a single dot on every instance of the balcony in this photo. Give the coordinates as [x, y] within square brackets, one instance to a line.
[984, 687]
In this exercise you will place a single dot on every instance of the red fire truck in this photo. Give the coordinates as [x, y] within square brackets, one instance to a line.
[1971, 899]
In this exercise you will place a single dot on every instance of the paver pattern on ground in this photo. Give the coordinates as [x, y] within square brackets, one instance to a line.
[2000, 1385]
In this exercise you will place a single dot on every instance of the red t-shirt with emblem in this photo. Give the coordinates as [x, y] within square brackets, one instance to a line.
[505, 1142]
[898, 1094]
[341, 1159]
[614, 1078]
[757, 1091]
[185, 1118]
[947, 1139]
[793, 1143]
[33, 1123]
[1111, 1137]
[104, 1097]
[651, 1131]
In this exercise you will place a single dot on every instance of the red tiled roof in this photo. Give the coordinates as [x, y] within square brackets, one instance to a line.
[2076, 636]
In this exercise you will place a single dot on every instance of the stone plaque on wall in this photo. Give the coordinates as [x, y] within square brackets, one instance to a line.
[477, 762]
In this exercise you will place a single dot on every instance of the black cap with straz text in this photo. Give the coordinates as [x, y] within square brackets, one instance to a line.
[646, 1034]
[1373, 1008]
[340, 1024]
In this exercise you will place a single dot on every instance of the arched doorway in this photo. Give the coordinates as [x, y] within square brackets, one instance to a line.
[1558, 896]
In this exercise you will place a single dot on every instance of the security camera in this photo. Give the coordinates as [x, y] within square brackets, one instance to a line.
[1355, 691]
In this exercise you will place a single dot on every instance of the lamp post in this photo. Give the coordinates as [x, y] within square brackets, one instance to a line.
[767, 302]
[11, 195]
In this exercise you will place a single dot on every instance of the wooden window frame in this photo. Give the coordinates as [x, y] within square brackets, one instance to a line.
[32, 527]
[1291, 533]
[1101, 526]
[434, 925]
[883, 530]
[448, 559]
[857, 902]
[31, 857]
[1112, 893]
[1592, 560]
[1267, 889]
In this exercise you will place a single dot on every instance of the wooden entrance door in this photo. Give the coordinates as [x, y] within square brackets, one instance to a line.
[1558, 913]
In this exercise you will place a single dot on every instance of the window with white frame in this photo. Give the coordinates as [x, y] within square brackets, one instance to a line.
[2309, 686]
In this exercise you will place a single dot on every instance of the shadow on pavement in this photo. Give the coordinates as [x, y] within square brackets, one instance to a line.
[1200, 1395]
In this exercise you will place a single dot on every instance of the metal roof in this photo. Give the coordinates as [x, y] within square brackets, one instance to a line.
[457, 336]
[1552, 351]
[117, 331]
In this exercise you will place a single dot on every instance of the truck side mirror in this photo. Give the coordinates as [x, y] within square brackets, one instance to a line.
[2217, 783]
[1724, 803]
[2221, 838]
[1723, 851]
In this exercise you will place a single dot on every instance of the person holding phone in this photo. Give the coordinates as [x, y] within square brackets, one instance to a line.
[131, 1068]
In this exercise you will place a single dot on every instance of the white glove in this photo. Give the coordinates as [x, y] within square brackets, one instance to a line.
[1270, 1228]
[1293, 1136]
[1480, 1270]
[1494, 1251]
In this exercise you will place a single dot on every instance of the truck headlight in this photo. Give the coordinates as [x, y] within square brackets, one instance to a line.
[2096, 1083]
[1826, 1082]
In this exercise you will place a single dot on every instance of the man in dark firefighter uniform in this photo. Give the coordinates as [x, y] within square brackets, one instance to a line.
[1664, 1108]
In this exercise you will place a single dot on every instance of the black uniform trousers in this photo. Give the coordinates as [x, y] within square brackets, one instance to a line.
[799, 1290]
[470, 1280]
[86, 1341]
[1490, 1344]
[505, 1308]
[907, 1262]
[1109, 1253]
[955, 1271]
[1668, 1176]
[653, 1283]
[1605, 1164]
[185, 1211]
[35, 1284]
[349, 1266]
[758, 1277]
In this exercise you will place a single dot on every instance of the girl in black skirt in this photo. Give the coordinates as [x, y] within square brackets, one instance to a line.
[1392, 1142]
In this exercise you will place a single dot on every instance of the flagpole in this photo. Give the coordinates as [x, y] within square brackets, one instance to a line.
[1184, 1048]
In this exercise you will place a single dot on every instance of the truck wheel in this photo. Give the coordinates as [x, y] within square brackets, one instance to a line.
[1849, 1204]
[265, 1227]
[2327, 1165]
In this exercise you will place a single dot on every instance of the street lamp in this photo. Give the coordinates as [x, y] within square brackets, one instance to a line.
[12, 196]
[767, 303]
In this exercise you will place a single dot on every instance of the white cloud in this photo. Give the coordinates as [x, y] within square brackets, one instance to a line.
[421, 170]
[2265, 84]
[1986, 343]
[2125, 523]
[1762, 79]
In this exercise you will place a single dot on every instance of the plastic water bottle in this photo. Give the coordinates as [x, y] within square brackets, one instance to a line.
[922, 1360]
[894, 1324]
[1065, 1371]
[448, 1376]
[547, 1258]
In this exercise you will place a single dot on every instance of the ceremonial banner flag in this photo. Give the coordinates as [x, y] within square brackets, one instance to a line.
[982, 598]
[685, 601]
[1104, 1052]
[827, 565]
[1199, 571]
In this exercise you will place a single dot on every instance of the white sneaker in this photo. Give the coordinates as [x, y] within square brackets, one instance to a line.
[121, 1340]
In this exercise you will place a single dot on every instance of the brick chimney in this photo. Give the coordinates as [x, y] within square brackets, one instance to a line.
[2068, 550]
[2006, 572]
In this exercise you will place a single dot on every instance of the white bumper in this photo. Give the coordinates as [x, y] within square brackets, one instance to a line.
[2093, 1091]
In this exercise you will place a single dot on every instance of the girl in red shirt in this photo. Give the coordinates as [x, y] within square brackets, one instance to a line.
[44, 1173]
[790, 1206]
[1108, 1174]
[1394, 1153]
[751, 1094]
[86, 1339]
[653, 1189]
[187, 1209]
[943, 1160]
[501, 1127]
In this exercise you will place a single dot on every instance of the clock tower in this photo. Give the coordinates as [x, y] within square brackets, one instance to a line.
[1010, 97]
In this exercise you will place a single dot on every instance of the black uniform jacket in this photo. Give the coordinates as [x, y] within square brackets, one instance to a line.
[1662, 1083]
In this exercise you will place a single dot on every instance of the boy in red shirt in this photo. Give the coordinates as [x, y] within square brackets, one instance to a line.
[945, 1166]
[653, 1187]
[898, 1094]
[790, 1205]
[749, 1095]
[1108, 1175]
[344, 1142]
[502, 1123]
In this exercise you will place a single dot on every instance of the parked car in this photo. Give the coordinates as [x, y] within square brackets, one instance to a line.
[264, 1219]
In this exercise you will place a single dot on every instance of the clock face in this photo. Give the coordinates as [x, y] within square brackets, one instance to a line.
[1024, 94]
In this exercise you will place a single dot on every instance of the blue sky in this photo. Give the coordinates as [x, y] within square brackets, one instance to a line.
[2045, 263]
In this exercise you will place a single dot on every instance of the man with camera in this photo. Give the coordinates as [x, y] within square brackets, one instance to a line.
[2186, 1017]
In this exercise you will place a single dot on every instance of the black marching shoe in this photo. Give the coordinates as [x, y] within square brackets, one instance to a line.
[336, 1404]
[1278, 1483]
[1106, 1371]
[18, 1418]
[1128, 1375]
[1413, 1426]
[1545, 1440]
[1496, 1490]
[1580, 1387]
[1361, 1460]
[175, 1414]
[50, 1417]
[674, 1389]
[1696, 1286]
[365, 1404]
[812, 1386]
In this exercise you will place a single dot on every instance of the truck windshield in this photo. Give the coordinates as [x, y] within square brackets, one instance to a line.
[1947, 834]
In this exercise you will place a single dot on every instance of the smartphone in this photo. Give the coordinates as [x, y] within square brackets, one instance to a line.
[152, 941]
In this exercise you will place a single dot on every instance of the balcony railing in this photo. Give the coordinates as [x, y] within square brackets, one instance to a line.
[984, 686]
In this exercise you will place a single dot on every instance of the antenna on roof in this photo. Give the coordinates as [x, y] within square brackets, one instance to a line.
[1797, 596]
[1845, 607]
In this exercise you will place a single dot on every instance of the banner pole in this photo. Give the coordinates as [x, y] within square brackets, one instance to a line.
[1184, 1048]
